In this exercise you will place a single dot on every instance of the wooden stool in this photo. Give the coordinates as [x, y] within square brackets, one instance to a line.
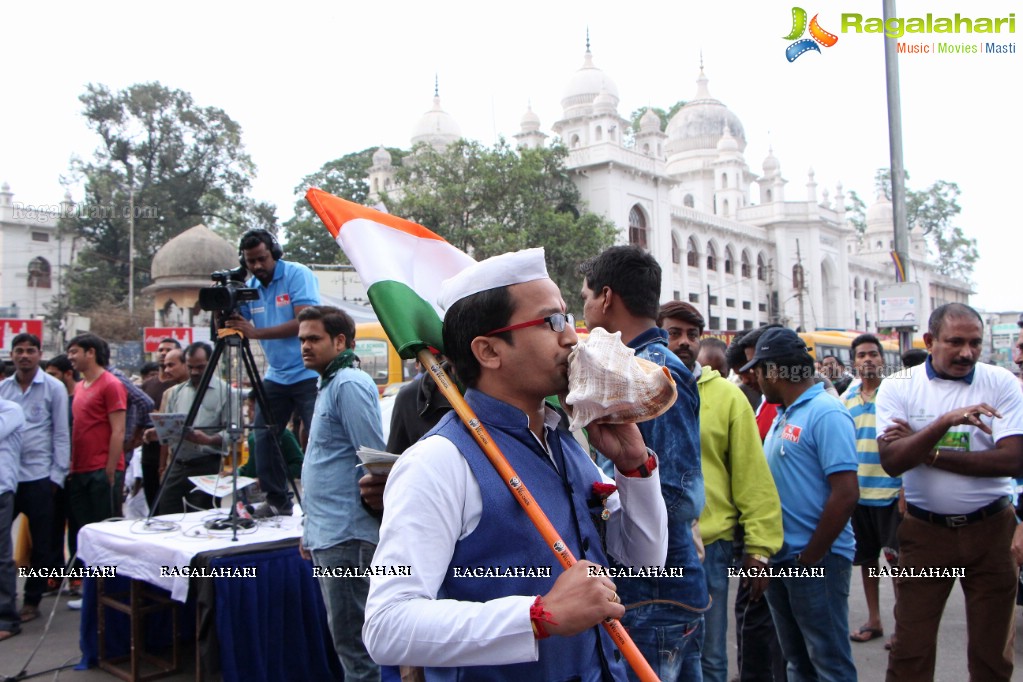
[141, 601]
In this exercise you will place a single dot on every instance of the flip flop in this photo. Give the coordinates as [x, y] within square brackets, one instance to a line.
[7, 634]
[866, 634]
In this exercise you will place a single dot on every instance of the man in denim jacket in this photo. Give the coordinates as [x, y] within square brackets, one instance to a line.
[621, 293]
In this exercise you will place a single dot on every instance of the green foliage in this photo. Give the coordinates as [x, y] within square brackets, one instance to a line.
[665, 116]
[934, 209]
[487, 201]
[308, 240]
[177, 164]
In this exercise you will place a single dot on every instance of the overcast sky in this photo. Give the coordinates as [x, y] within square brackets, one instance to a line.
[311, 81]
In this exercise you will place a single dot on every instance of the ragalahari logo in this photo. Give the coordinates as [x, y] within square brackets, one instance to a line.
[817, 35]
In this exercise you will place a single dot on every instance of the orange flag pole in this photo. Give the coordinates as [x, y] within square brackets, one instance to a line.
[614, 627]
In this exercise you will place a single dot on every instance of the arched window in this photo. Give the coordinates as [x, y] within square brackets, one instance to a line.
[692, 254]
[769, 199]
[724, 208]
[39, 273]
[637, 228]
[724, 180]
[856, 288]
[676, 250]
[761, 268]
[646, 148]
[688, 201]
[712, 257]
[747, 269]
[599, 133]
[575, 141]
[866, 290]
[729, 261]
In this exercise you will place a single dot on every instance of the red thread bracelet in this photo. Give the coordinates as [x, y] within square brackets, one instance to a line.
[538, 615]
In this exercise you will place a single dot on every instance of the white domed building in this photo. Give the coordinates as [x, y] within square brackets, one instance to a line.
[684, 194]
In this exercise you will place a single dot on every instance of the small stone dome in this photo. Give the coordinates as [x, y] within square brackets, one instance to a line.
[381, 157]
[604, 103]
[193, 255]
[727, 143]
[771, 164]
[530, 122]
[649, 122]
[701, 122]
[880, 215]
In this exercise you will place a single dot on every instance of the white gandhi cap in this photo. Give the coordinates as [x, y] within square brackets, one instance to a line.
[516, 267]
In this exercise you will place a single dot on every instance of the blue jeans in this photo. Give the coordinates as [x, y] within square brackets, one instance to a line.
[811, 616]
[345, 599]
[284, 400]
[714, 661]
[670, 638]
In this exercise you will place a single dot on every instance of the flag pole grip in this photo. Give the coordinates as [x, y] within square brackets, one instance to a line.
[525, 499]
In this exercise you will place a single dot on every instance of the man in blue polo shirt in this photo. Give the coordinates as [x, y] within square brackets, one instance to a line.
[811, 449]
[285, 288]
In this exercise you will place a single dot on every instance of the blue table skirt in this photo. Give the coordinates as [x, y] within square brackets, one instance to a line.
[267, 629]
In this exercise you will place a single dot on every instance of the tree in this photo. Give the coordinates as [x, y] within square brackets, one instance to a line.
[165, 162]
[933, 209]
[308, 240]
[487, 201]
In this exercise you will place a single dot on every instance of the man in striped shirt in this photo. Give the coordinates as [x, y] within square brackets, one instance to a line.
[876, 519]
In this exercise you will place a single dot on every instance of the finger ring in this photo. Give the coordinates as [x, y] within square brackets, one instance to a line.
[615, 598]
[966, 416]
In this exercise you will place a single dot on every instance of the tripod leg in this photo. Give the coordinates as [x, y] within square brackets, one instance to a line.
[264, 407]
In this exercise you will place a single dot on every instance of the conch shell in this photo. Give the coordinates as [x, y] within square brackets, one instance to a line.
[608, 384]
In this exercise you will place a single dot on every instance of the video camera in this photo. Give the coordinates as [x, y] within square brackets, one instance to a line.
[229, 291]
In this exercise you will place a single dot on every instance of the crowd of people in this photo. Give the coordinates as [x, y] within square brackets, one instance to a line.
[770, 468]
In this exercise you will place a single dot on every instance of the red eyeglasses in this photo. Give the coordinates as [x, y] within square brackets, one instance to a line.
[558, 323]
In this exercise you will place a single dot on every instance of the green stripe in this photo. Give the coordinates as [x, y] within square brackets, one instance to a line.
[409, 322]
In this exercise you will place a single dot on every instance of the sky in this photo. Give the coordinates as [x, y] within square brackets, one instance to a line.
[312, 81]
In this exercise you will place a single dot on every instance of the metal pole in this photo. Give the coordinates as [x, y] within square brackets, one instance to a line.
[891, 62]
[131, 241]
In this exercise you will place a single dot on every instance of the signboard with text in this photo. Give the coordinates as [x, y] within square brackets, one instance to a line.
[9, 328]
[899, 305]
[151, 336]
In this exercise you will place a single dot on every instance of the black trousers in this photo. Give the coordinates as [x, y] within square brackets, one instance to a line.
[35, 499]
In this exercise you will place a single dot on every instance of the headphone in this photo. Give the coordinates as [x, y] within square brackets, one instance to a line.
[267, 238]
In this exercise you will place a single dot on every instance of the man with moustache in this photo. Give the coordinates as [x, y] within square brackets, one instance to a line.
[953, 429]
[811, 450]
[508, 335]
[44, 457]
[200, 452]
[739, 489]
[621, 293]
[155, 388]
[339, 533]
[284, 289]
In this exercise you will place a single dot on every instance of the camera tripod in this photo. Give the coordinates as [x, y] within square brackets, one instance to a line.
[239, 357]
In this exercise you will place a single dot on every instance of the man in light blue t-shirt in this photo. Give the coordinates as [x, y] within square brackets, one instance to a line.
[285, 288]
[811, 449]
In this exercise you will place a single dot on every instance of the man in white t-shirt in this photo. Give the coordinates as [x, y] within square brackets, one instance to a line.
[953, 429]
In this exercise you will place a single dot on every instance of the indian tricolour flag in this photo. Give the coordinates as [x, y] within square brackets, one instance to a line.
[401, 264]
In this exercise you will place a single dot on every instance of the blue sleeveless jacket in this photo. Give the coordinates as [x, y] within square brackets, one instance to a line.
[505, 538]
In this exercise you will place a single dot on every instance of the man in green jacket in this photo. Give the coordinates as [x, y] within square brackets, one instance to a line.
[738, 484]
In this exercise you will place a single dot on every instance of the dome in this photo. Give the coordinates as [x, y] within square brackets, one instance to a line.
[530, 121]
[649, 122]
[437, 127]
[604, 103]
[772, 165]
[585, 85]
[880, 215]
[381, 157]
[728, 143]
[701, 122]
[193, 255]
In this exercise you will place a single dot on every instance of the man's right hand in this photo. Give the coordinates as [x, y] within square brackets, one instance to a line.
[578, 601]
[303, 552]
[371, 489]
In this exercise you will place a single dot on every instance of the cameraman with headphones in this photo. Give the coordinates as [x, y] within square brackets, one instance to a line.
[284, 289]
